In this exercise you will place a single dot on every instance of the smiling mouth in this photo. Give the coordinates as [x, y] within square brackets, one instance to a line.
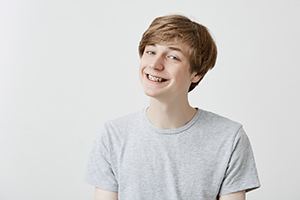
[155, 79]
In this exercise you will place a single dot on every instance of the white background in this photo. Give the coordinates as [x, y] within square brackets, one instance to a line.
[67, 66]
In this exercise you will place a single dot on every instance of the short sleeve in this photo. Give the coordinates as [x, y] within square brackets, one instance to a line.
[99, 167]
[241, 173]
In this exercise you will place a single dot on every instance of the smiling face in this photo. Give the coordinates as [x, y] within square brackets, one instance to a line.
[165, 71]
[178, 29]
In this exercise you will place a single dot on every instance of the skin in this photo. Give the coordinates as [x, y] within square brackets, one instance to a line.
[169, 106]
[101, 194]
[234, 196]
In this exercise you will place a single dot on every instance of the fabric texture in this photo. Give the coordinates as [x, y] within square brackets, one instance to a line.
[209, 156]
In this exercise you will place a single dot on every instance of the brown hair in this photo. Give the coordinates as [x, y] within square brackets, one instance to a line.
[178, 28]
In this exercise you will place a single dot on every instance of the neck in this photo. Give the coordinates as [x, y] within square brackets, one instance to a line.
[169, 115]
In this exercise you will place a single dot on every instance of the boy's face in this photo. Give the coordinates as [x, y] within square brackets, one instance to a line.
[165, 70]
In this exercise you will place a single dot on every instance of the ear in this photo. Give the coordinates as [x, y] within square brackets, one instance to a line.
[195, 77]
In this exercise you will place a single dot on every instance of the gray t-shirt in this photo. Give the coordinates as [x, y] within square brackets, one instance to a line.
[209, 156]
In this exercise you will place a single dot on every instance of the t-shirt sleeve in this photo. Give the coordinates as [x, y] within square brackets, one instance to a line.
[241, 173]
[99, 167]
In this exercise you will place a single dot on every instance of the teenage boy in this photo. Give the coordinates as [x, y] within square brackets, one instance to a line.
[171, 150]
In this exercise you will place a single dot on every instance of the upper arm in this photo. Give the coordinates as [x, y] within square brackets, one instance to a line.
[234, 196]
[101, 194]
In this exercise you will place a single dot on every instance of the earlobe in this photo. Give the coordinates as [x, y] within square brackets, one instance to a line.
[196, 77]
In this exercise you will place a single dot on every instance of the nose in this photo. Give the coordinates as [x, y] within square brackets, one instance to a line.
[157, 63]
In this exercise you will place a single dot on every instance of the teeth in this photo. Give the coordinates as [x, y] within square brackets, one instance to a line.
[153, 78]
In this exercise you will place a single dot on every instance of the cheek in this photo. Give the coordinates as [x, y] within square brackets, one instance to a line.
[142, 64]
[183, 76]
[141, 71]
[178, 72]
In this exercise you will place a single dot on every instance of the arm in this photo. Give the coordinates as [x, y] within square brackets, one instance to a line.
[234, 196]
[105, 195]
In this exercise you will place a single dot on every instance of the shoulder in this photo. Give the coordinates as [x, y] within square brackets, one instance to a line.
[217, 118]
[121, 124]
[125, 120]
[219, 123]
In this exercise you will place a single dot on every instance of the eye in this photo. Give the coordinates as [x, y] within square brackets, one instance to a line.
[150, 52]
[173, 57]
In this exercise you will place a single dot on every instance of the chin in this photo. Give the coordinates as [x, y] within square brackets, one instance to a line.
[154, 94]
[151, 93]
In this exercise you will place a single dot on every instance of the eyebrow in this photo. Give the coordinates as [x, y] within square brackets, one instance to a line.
[175, 49]
[171, 48]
